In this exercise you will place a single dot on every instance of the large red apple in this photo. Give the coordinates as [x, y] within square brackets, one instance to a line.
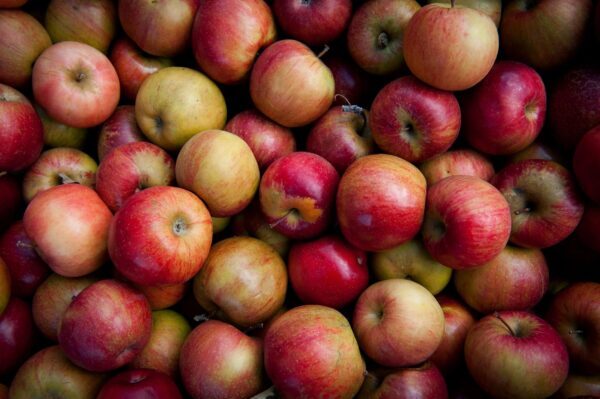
[16, 334]
[457, 162]
[586, 163]
[139, 383]
[121, 128]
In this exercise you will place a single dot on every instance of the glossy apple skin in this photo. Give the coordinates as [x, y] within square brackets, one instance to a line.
[22, 40]
[375, 34]
[161, 235]
[12, 199]
[517, 95]
[139, 384]
[162, 296]
[450, 48]
[579, 386]
[586, 161]
[467, 222]
[380, 202]
[120, 128]
[457, 162]
[290, 84]
[5, 289]
[58, 134]
[586, 229]
[106, 326]
[310, 350]
[219, 361]
[225, 48]
[413, 120]
[327, 271]
[21, 131]
[575, 313]
[16, 334]
[297, 194]
[351, 82]
[534, 363]
[544, 201]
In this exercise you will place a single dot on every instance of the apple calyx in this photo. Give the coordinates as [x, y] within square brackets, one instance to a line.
[383, 40]
[64, 179]
[179, 226]
[512, 332]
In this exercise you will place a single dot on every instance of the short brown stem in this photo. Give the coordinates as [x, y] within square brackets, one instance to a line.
[497, 315]
[3, 173]
[323, 52]
[64, 179]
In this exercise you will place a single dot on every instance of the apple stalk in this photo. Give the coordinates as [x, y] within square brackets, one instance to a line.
[497, 315]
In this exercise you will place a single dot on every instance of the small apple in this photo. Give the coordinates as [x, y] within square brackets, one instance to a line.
[58, 134]
[457, 162]
[16, 334]
[139, 383]
[121, 128]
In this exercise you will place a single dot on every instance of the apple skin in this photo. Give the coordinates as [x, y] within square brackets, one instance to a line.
[586, 161]
[580, 386]
[120, 128]
[516, 354]
[310, 351]
[538, 150]
[5, 290]
[16, 334]
[58, 134]
[450, 48]
[12, 199]
[492, 8]
[467, 222]
[21, 131]
[380, 202]
[457, 162]
[290, 84]
[12, 3]
[413, 120]
[585, 232]
[375, 34]
[575, 313]
[162, 296]
[351, 82]
[3, 391]
[22, 40]
[139, 383]
[80, 73]
[297, 194]
[225, 48]
[161, 235]
[544, 202]
[505, 112]
[327, 271]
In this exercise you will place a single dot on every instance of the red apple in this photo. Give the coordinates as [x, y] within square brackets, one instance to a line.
[121, 128]
[352, 84]
[16, 334]
[162, 296]
[586, 162]
[58, 134]
[139, 383]
[5, 289]
[586, 229]
[457, 162]
[12, 199]
[12, 3]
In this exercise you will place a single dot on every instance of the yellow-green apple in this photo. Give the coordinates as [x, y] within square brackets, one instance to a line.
[375, 35]
[352, 84]
[162, 296]
[221, 169]
[58, 134]
[52, 298]
[586, 162]
[492, 8]
[57, 166]
[133, 66]
[244, 280]
[219, 361]
[16, 334]
[545, 205]
[162, 352]
[398, 323]
[290, 84]
[313, 22]
[297, 194]
[130, 168]
[310, 350]
[544, 34]
[411, 261]
[450, 47]
[327, 271]
[82, 74]
[462, 161]
[139, 383]
[21, 131]
[22, 40]
[175, 103]
[516, 354]
[5, 290]
[106, 326]
[89, 22]
[467, 222]
[580, 386]
[341, 136]
[516, 279]
[225, 48]
[161, 235]
[69, 225]
[517, 95]
[12, 199]
[538, 150]
[49, 373]
[267, 139]
[575, 313]
[27, 269]
[380, 202]
[121, 128]
[413, 120]
[160, 28]
[585, 231]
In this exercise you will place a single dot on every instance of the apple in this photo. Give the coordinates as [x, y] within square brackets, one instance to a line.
[22, 40]
[82, 74]
[538, 150]
[5, 290]
[16, 334]
[297, 194]
[586, 161]
[139, 383]
[352, 84]
[244, 280]
[505, 112]
[586, 229]
[580, 386]
[290, 84]
[12, 3]
[310, 350]
[327, 271]
[467, 222]
[120, 128]
[175, 103]
[516, 354]
[457, 162]
[450, 47]
[162, 296]
[413, 120]
[58, 134]
[225, 48]
[161, 235]
[12, 199]
[492, 8]
[545, 205]
[21, 130]
[375, 35]
[545, 34]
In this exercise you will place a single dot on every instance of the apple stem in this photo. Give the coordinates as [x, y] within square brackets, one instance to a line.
[578, 332]
[3, 173]
[323, 52]
[268, 394]
[524, 210]
[254, 327]
[348, 103]
[497, 315]
[65, 179]
[22, 244]
[281, 219]
[202, 317]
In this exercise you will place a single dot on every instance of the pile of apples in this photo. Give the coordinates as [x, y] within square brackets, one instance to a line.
[299, 199]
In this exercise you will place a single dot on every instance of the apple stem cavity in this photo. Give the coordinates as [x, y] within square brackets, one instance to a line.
[497, 315]
[281, 219]
[64, 179]
[323, 52]
[268, 394]
[179, 227]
